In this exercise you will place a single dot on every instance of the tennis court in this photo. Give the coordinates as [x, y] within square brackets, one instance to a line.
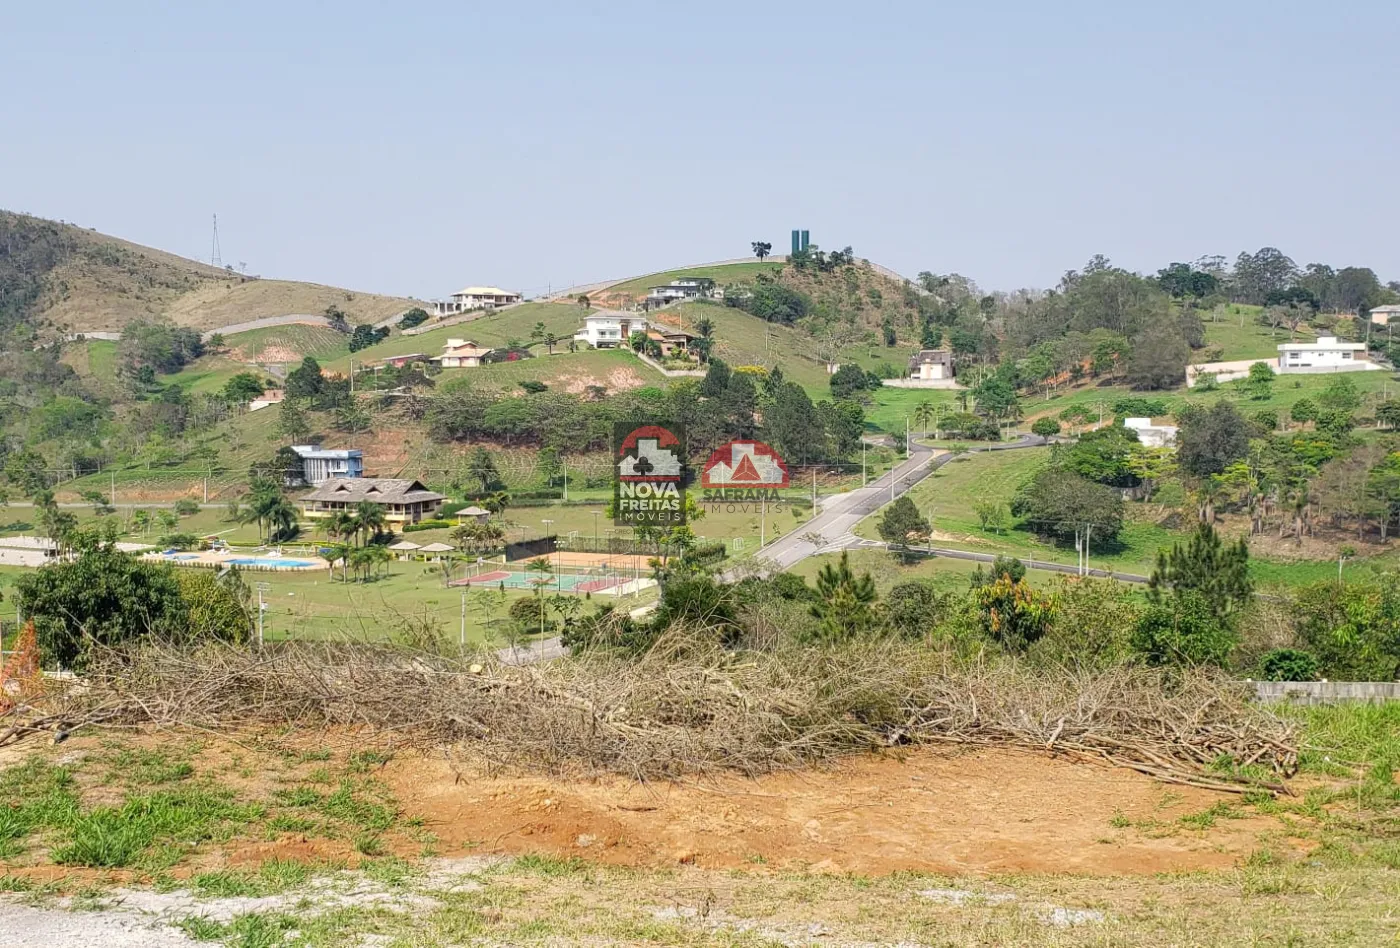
[559, 582]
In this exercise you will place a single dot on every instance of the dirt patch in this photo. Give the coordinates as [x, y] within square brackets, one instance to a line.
[618, 380]
[988, 811]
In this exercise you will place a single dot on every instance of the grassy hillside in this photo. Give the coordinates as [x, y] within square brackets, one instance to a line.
[492, 329]
[62, 278]
[287, 344]
[636, 289]
[741, 339]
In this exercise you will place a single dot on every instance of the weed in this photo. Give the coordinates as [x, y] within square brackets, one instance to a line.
[135, 765]
[297, 796]
[225, 884]
[201, 928]
[1206, 818]
[391, 871]
[369, 845]
[362, 762]
[550, 866]
[343, 805]
[285, 823]
[1120, 820]
[115, 836]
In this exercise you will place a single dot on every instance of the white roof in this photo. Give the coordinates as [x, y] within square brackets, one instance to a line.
[437, 548]
[1392, 308]
[473, 512]
[1323, 342]
[404, 546]
[485, 291]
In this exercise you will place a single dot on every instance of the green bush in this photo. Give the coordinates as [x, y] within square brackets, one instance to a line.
[1183, 630]
[1288, 664]
[435, 524]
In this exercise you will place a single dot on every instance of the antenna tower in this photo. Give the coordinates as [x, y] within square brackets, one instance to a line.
[215, 258]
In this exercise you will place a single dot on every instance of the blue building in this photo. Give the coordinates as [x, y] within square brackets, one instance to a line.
[319, 465]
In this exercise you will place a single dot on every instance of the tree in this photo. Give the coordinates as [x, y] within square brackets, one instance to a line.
[1012, 613]
[993, 515]
[1260, 382]
[914, 608]
[102, 598]
[414, 317]
[1210, 440]
[1388, 414]
[1205, 567]
[1340, 394]
[305, 381]
[352, 417]
[1045, 427]
[1352, 628]
[1103, 456]
[370, 518]
[845, 605]
[244, 387]
[1182, 280]
[762, 248]
[848, 380]
[1257, 275]
[482, 467]
[365, 336]
[1159, 357]
[1303, 411]
[1063, 505]
[924, 412]
[902, 522]
[705, 326]
[291, 421]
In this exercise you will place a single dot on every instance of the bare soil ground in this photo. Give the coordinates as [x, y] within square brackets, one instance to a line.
[951, 812]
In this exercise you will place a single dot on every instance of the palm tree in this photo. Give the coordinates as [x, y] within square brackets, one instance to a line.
[705, 326]
[282, 519]
[342, 524]
[368, 559]
[371, 518]
[923, 414]
[141, 520]
[168, 520]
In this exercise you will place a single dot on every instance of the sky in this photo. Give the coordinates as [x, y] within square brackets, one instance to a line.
[414, 148]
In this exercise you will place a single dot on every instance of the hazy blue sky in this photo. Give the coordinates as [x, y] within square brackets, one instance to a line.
[411, 148]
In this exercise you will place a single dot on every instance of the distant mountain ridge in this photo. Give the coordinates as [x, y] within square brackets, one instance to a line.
[57, 279]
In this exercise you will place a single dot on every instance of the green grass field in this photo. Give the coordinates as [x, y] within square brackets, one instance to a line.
[614, 369]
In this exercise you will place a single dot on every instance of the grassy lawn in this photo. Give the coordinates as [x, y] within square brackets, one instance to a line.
[573, 372]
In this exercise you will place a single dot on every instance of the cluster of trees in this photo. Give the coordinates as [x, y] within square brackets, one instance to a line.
[725, 404]
[103, 598]
[1200, 609]
[155, 346]
[364, 335]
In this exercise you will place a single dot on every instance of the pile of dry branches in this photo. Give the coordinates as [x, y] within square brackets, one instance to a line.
[686, 707]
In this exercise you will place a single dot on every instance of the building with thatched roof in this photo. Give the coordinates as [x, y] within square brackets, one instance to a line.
[404, 501]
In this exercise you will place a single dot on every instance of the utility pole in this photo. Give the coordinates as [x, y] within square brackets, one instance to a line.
[814, 492]
[464, 618]
[763, 523]
[566, 482]
[262, 608]
[862, 462]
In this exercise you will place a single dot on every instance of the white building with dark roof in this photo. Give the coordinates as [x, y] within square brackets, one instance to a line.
[475, 297]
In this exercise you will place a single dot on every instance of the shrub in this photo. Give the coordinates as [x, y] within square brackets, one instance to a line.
[185, 507]
[428, 525]
[532, 615]
[1013, 613]
[1288, 664]
[412, 318]
[1045, 427]
[1183, 630]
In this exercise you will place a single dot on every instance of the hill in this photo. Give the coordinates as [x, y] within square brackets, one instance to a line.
[58, 278]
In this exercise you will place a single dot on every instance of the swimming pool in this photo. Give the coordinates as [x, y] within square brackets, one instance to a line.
[270, 562]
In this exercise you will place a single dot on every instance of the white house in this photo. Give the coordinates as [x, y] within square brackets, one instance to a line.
[684, 289]
[319, 465]
[1382, 315]
[1325, 355]
[927, 364]
[460, 354]
[1150, 435]
[475, 297]
[608, 328]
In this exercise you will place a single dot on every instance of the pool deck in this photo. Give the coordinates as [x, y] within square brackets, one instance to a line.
[212, 559]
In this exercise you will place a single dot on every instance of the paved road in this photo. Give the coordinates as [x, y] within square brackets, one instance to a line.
[854, 542]
[839, 515]
[842, 513]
